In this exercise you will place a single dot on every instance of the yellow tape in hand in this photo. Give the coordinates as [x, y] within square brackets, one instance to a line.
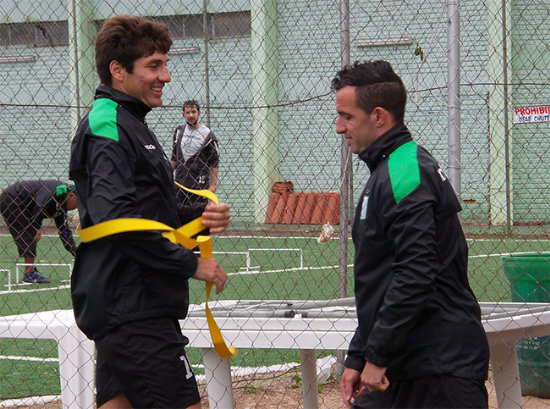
[181, 236]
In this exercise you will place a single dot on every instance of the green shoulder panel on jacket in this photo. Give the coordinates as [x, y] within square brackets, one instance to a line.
[404, 170]
[102, 118]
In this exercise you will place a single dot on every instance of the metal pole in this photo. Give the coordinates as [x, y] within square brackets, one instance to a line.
[345, 160]
[76, 75]
[506, 119]
[206, 67]
[453, 98]
[345, 166]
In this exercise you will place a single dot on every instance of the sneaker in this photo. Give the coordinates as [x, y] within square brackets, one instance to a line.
[35, 277]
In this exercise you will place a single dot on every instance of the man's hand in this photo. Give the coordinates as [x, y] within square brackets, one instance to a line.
[216, 217]
[350, 385]
[208, 269]
[374, 378]
[37, 235]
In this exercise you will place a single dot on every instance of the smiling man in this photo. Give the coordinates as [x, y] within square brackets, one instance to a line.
[419, 341]
[129, 290]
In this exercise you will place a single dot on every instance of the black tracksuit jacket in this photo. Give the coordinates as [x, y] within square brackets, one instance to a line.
[120, 170]
[416, 312]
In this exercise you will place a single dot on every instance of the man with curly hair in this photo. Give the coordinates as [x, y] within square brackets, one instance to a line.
[129, 290]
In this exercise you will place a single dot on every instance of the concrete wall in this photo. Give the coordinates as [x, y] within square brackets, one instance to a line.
[35, 101]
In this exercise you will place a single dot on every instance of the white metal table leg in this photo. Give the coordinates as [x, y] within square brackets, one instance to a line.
[76, 369]
[309, 379]
[504, 363]
[218, 380]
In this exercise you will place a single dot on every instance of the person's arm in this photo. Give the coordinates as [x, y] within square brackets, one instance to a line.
[350, 386]
[374, 378]
[209, 270]
[215, 216]
[175, 141]
[213, 161]
[412, 230]
[355, 358]
[213, 179]
[350, 383]
[65, 233]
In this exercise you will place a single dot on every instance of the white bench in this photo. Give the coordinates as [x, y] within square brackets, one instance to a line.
[75, 351]
[505, 323]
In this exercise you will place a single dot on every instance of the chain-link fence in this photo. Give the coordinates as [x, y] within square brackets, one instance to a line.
[477, 82]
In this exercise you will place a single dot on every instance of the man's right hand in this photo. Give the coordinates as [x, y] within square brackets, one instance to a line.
[350, 385]
[216, 217]
[208, 269]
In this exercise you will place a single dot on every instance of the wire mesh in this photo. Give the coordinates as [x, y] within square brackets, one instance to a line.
[261, 71]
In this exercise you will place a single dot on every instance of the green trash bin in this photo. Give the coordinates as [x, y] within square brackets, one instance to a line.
[529, 276]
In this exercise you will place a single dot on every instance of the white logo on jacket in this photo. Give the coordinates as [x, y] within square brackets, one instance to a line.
[364, 207]
[150, 147]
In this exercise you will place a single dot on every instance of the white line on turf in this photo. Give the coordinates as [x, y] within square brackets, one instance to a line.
[61, 287]
[30, 401]
[286, 270]
[27, 358]
[517, 253]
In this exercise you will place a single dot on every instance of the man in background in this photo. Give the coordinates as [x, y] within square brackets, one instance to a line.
[419, 341]
[24, 205]
[195, 155]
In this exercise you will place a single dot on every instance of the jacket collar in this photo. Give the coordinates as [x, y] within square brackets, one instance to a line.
[132, 104]
[384, 145]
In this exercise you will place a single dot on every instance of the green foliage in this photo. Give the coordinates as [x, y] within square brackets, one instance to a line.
[296, 382]
[251, 388]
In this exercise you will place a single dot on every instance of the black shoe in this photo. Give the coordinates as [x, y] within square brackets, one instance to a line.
[35, 277]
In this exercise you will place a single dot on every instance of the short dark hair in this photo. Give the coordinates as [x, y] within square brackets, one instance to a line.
[126, 39]
[191, 103]
[377, 86]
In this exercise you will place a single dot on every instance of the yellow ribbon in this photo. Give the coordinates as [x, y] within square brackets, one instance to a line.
[181, 236]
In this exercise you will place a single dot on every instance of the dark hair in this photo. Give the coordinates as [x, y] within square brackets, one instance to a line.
[191, 103]
[126, 39]
[377, 86]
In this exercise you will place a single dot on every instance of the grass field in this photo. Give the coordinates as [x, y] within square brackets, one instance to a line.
[272, 274]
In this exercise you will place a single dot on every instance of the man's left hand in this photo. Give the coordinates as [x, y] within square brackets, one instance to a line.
[374, 377]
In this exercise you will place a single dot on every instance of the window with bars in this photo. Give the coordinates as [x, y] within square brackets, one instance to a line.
[54, 33]
[42, 33]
